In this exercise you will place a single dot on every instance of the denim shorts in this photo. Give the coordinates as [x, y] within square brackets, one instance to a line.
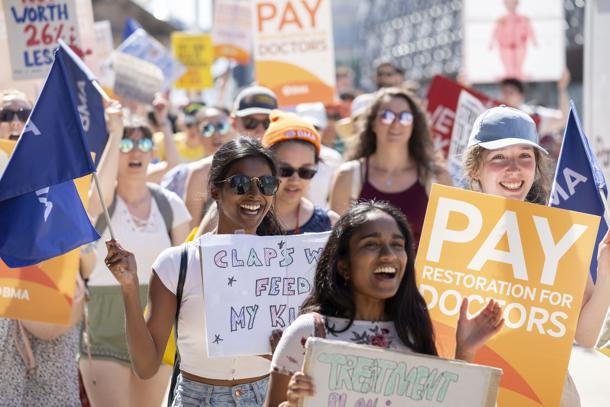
[189, 393]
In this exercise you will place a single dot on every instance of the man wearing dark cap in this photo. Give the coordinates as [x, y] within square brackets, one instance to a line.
[251, 111]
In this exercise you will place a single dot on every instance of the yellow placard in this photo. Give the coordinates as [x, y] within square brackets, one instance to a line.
[293, 49]
[42, 292]
[532, 258]
[196, 53]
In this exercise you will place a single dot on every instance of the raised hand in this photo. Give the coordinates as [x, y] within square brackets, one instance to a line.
[122, 264]
[472, 333]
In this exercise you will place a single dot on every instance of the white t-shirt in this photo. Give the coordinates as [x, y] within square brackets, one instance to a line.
[145, 242]
[330, 160]
[290, 351]
[191, 322]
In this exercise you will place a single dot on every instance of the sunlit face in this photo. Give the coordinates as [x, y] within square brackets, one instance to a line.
[13, 106]
[508, 172]
[292, 156]
[377, 258]
[135, 162]
[253, 125]
[246, 211]
[214, 129]
[396, 132]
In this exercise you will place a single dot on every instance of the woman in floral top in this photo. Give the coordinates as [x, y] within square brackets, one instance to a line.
[365, 292]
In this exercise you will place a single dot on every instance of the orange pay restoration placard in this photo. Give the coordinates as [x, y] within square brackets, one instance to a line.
[533, 259]
[42, 292]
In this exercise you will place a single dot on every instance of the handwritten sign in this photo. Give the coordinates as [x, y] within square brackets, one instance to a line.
[136, 79]
[350, 375]
[33, 31]
[196, 53]
[232, 30]
[42, 292]
[531, 258]
[143, 46]
[293, 49]
[254, 284]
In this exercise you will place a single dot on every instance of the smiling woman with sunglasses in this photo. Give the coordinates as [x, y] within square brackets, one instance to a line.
[392, 160]
[15, 108]
[296, 147]
[147, 219]
[243, 182]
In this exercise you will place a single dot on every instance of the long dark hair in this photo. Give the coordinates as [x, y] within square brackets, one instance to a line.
[421, 149]
[332, 295]
[231, 152]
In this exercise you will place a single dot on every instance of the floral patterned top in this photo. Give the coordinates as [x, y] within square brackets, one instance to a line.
[290, 352]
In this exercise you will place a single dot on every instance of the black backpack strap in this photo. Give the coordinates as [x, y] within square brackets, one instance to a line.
[179, 289]
[164, 206]
[101, 224]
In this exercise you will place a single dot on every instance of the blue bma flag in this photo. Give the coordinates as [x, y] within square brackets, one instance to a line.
[88, 100]
[52, 147]
[41, 214]
[578, 179]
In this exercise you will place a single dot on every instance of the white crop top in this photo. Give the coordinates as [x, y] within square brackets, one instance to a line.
[191, 322]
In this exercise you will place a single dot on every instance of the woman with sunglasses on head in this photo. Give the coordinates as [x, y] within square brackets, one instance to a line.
[365, 292]
[243, 182]
[296, 147]
[504, 158]
[147, 219]
[393, 159]
[15, 108]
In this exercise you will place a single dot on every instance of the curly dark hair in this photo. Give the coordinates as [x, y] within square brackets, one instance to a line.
[224, 159]
[332, 295]
[421, 149]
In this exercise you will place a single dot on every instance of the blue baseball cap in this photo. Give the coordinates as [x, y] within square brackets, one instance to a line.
[504, 126]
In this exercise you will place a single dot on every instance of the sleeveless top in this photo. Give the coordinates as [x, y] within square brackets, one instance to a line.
[319, 222]
[412, 202]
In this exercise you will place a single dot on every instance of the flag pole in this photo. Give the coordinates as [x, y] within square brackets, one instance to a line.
[606, 208]
[105, 209]
[101, 91]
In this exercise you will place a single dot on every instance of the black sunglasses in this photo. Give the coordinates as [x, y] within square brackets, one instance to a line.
[7, 115]
[303, 172]
[240, 184]
[250, 123]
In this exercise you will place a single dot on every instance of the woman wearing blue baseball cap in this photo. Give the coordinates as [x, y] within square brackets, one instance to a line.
[504, 158]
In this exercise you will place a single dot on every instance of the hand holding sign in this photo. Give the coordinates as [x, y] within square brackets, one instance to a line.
[299, 386]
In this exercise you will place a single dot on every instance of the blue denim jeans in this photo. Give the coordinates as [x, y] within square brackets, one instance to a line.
[189, 393]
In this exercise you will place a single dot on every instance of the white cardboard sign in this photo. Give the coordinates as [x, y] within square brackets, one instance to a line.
[350, 375]
[253, 285]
